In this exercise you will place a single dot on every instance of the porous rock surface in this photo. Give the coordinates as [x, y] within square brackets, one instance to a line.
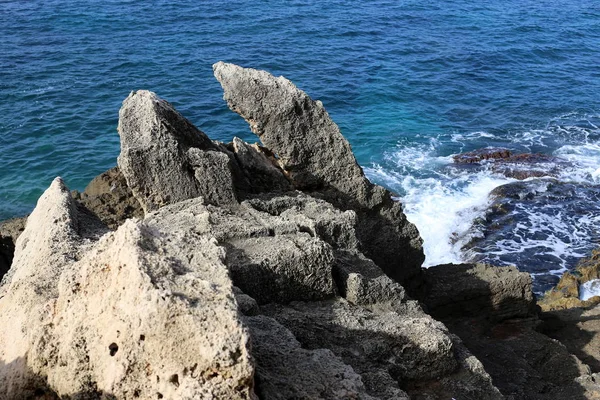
[316, 158]
[272, 272]
[118, 316]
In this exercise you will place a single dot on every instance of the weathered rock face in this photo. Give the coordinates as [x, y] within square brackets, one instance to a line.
[110, 199]
[315, 374]
[316, 158]
[166, 159]
[120, 317]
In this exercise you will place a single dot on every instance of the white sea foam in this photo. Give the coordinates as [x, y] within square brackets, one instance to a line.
[442, 205]
[544, 234]
[589, 289]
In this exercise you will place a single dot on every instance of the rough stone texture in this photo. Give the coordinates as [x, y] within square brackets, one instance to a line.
[282, 268]
[166, 159]
[407, 347]
[46, 246]
[284, 370]
[121, 318]
[110, 199]
[523, 363]
[362, 282]
[260, 167]
[316, 157]
[478, 289]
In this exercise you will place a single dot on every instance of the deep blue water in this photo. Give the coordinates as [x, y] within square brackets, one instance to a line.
[410, 83]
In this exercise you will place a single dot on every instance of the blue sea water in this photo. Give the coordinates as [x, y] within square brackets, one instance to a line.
[410, 83]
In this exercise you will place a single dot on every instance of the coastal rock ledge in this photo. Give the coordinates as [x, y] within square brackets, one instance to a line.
[204, 270]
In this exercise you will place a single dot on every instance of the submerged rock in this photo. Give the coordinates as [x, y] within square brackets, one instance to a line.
[517, 166]
[476, 156]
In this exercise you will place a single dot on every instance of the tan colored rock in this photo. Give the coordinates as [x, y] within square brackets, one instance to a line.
[139, 314]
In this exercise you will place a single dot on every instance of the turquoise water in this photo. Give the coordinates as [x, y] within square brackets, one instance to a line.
[409, 83]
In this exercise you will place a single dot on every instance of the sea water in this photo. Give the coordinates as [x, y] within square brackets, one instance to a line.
[410, 84]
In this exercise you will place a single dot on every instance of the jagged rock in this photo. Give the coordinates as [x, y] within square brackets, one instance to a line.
[260, 167]
[523, 363]
[282, 268]
[462, 290]
[316, 157]
[578, 329]
[166, 159]
[120, 316]
[246, 304]
[110, 199]
[287, 371]
[270, 257]
[360, 281]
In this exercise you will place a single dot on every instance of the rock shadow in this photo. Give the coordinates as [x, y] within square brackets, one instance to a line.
[495, 319]
[18, 381]
[578, 329]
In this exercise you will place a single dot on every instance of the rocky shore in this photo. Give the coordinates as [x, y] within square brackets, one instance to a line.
[205, 270]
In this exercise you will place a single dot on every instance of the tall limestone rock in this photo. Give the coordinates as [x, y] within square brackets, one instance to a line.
[317, 159]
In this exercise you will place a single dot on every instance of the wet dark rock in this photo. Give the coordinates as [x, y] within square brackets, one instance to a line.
[476, 156]
[516, 211]
[517, 166]
[9, 233]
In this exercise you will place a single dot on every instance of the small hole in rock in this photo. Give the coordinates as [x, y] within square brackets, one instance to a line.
[136, 393]
[160, 396]
[113, 348]
[174, 379]
[142, 338]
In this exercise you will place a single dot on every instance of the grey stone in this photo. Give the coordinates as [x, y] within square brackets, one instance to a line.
[282, 268]
[162, 155]
[407, 347]
[285, 370]
[260, 168]
[496, 293]
[362, 282]
[316, 157]
[110, 199]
